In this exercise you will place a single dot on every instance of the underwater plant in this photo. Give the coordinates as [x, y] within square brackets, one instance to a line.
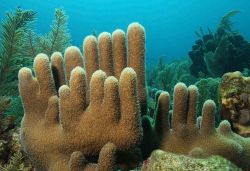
[16, 163]
[57, 39]
[19, 45]
[226, 24]
[13, 49]
[15, 110]
[223, 51]
[165, 76]
[208, 89]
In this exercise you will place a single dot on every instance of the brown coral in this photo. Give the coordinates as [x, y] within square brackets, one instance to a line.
[86, 100]
[111, 55]
[234, 92]
[55, 127]
[186, 136]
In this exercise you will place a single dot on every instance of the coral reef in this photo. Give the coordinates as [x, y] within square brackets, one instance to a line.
[223, 48]
[79, 127]
[19, 44]
[83, 112]
[160, 160]
[234, 92]
[87, 102]
[188, 136]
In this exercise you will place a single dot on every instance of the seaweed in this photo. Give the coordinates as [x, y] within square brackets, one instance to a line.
[58, 38]
[165, 76]
[16, 163]
[199, 33]
[19, 45]
[226, 24]
[16, 110]
[214, 54]
[13, 48]
[4, 104]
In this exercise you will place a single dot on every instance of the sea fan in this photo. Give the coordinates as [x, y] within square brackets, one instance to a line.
[226, 24]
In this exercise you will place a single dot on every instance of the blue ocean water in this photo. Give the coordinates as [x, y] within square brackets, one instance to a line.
[170, 24]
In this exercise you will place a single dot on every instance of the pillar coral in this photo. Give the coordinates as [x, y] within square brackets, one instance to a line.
[90, 109]
[72, 113]
[191, 136]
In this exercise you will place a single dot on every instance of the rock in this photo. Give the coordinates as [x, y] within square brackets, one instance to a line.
[165, 161]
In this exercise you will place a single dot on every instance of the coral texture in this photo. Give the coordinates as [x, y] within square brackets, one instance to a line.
[201, 138]
[75, 119]
[234, 93]
[55, 127]
[110, 54]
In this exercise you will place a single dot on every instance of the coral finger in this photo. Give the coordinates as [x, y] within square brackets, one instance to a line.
[180, 105]
[77, 161]
[192, 102]
[91, 56]
[78, 88]
[208, 117]
[225, 128]
[119, 52]
[111, 99]
[136, 60]
[52, 112]
[162, 122]
[107, 157]
[130, 110]
[73, 100]
[58, 69]
[28, 88]
[97, 88]
[73, 58]
[66, 114]
[44, 76]
[198, 122]
[105, 51]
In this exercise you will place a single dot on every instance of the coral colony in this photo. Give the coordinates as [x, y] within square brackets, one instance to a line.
[96, 110]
